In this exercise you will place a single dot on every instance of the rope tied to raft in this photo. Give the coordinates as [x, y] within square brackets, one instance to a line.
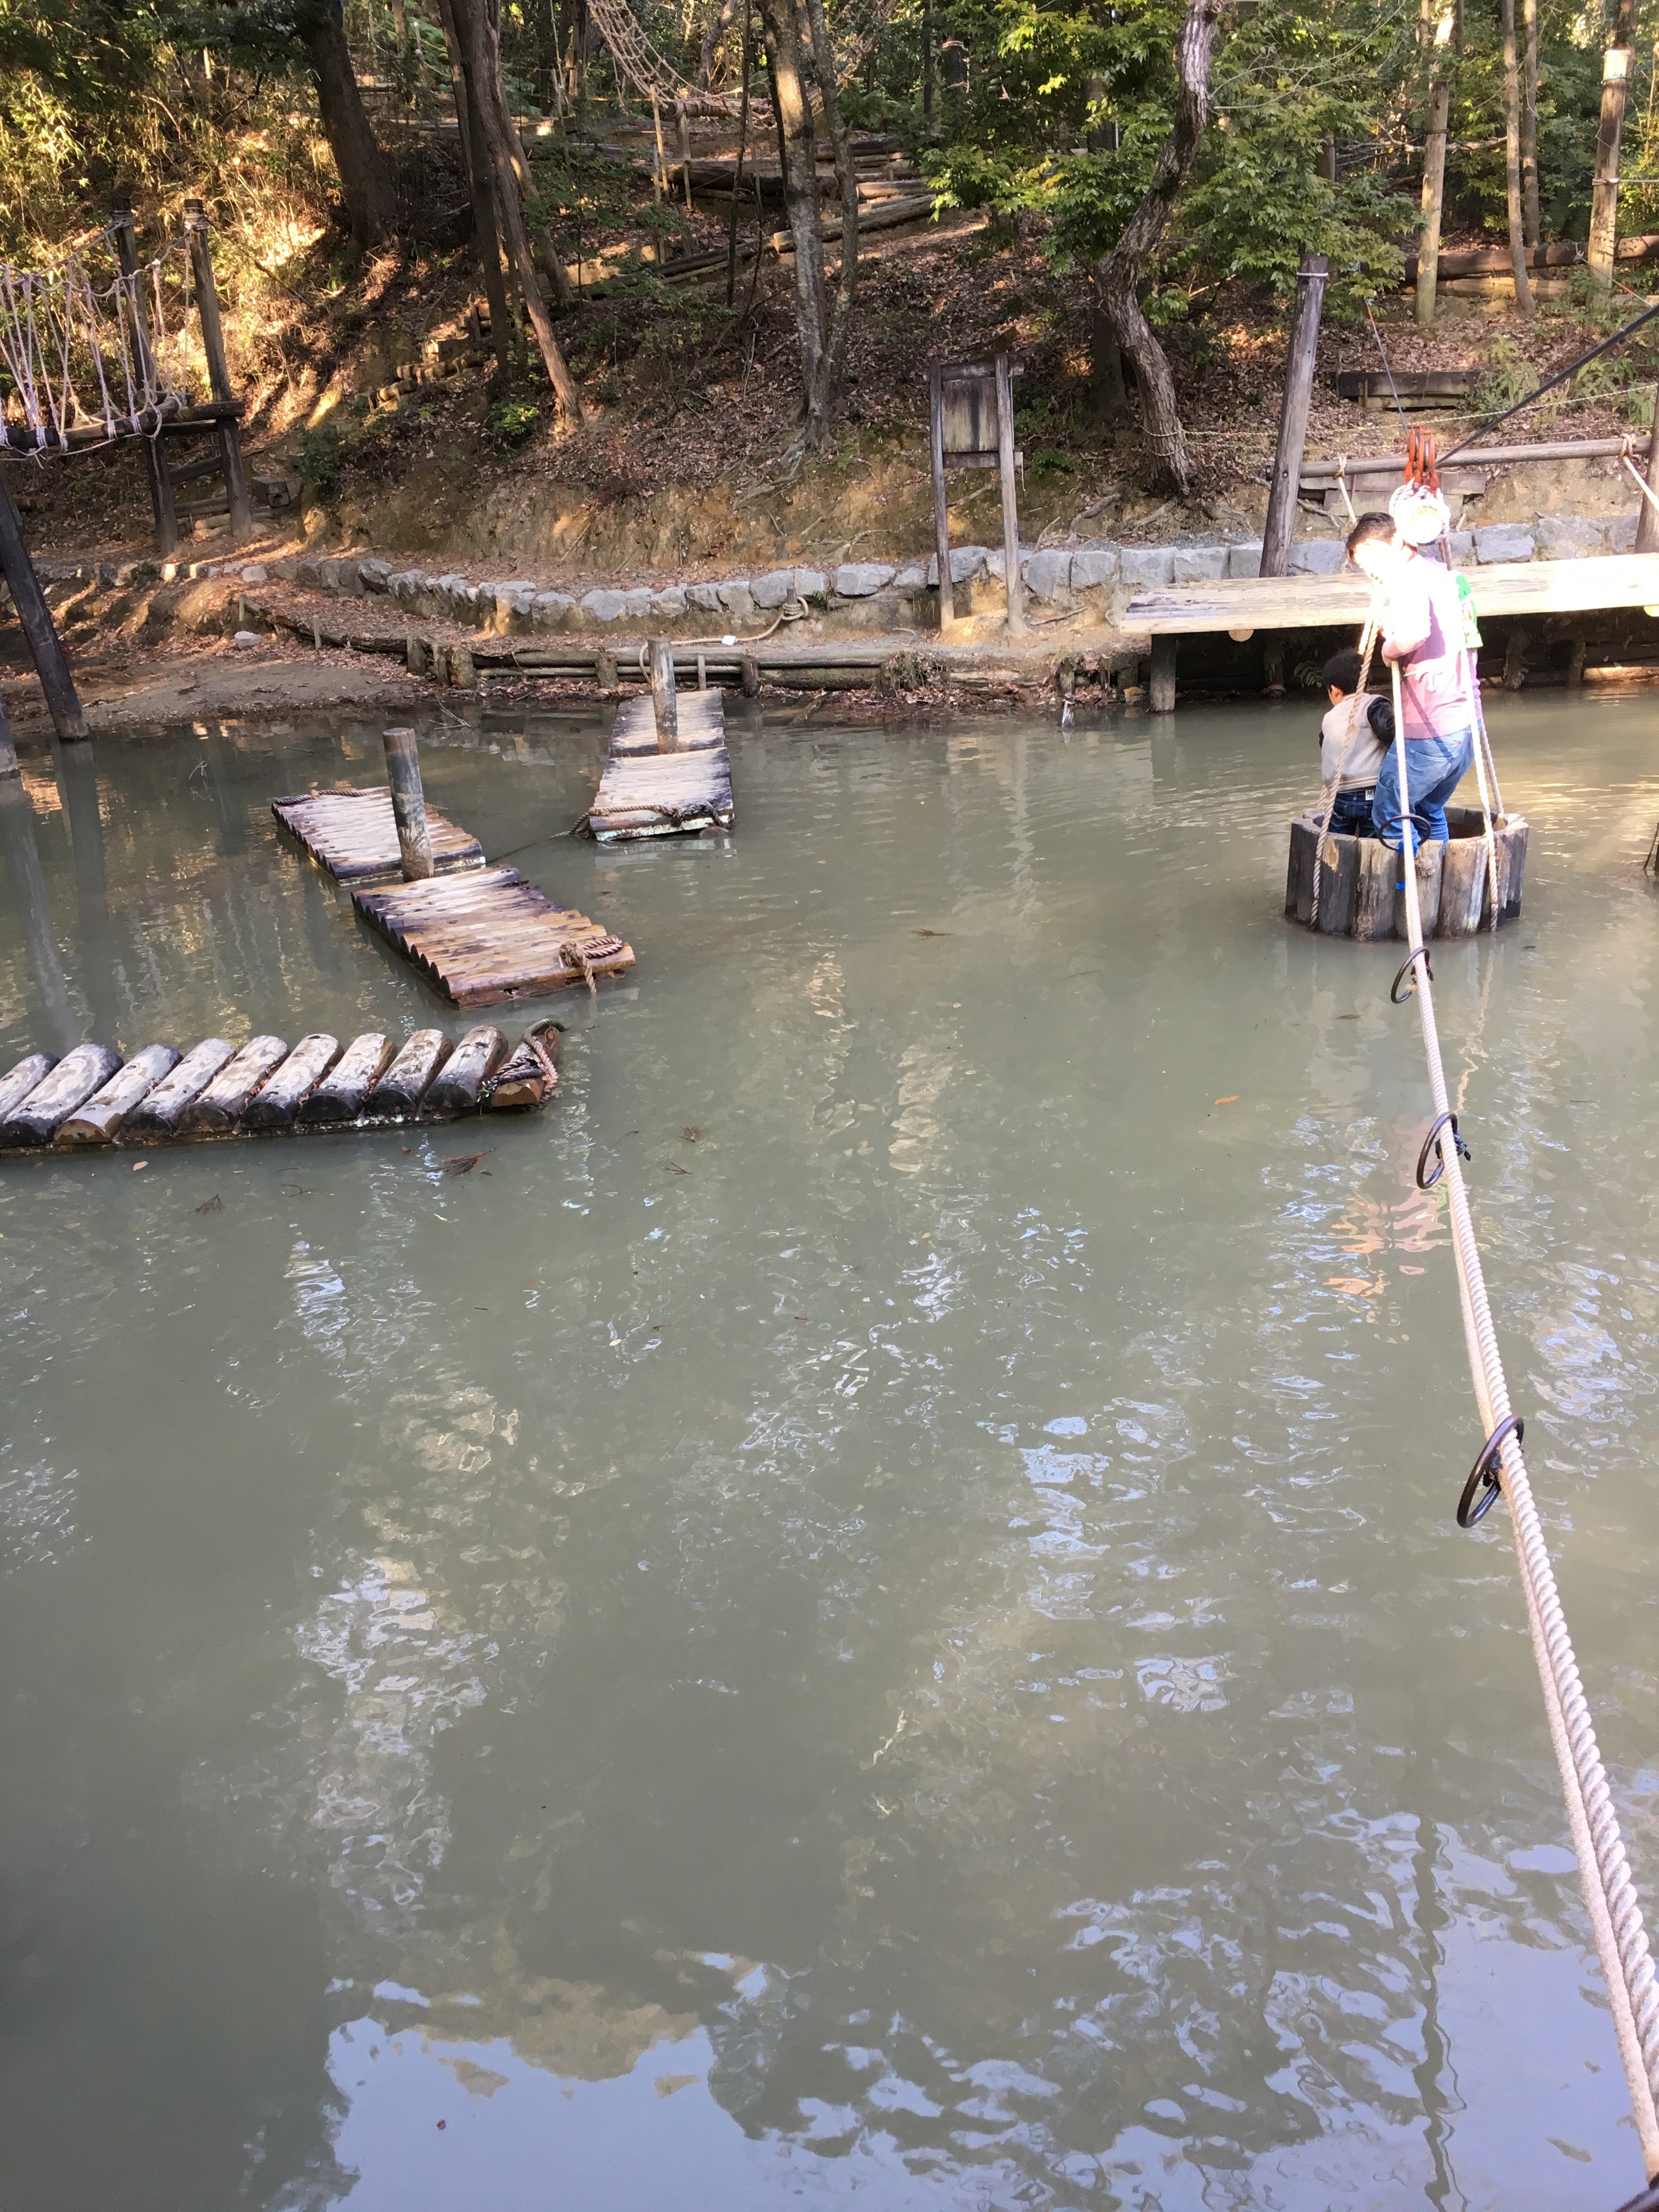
[1616, 1912]
[573, 956]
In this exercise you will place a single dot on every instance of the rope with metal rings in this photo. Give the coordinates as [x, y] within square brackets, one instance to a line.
[1616, 1912]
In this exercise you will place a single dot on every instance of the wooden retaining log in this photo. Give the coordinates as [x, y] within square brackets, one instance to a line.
[339, 1097]
[1362, 893]
[162, 1112]
[529, 1074]
[474, 1060]
[226, 1098]
[104, 1112]
[400, 1090]
[280, 1099]
[77, 1075]
[18, 1083]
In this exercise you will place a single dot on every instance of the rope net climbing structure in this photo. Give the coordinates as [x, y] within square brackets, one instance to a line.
[89, 354]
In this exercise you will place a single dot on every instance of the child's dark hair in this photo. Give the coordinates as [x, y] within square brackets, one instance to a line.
[1369, 530]
[1342, 671]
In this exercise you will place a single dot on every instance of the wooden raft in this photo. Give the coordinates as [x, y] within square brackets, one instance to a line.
[91, 1099]
[491, 935]
[647, 794]
[1360, 891]
[352, 833]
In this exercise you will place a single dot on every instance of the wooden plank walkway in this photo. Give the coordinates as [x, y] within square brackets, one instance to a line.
[647, 794]
[492, 935]
[90, 1100]
[1517, 587]
[352, 833]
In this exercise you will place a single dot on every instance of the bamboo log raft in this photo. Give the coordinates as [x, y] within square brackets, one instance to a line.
[667, 783]
[491, 936]
[90, 1100]
[354, 834]
[1361, 893]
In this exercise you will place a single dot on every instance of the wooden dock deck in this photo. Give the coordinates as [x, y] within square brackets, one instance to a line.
[491, 935]
[647, 794]
[90, 1099]
[352, 833]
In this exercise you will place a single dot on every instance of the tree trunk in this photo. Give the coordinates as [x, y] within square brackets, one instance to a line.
[1118, 276]
[797, 159]
[715, 24]
[1512, 161]
[1111, 395]
[825, 398]
[1531, 217]
[1604, 188]
[1434, 201]
[365, 180]
[475, 159]
[485, 57]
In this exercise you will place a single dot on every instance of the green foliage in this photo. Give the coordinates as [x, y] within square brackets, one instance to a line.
[1505, 379]
[511, 422]
[323, 450]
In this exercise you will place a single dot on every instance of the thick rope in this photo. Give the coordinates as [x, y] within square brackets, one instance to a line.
[1367, 647]
[1616, 1912]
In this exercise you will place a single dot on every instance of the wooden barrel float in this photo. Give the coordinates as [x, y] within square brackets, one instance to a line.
[1361, 894]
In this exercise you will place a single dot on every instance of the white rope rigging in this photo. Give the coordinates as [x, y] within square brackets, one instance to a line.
[1616, 1912]
[83, 361]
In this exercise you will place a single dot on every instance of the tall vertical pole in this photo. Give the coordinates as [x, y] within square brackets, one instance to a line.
[665, 699]
[927, 65]
[1434, 201]
[156, 459]
[1646, 526]
[1604, 187]
[947, 598]
[8, 747]
[1293, 416]
[213, 345]
[403, 763]
[63, 701]
[1014, 586]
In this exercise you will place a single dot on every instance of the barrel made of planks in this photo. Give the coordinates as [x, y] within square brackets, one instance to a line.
[1362, 891]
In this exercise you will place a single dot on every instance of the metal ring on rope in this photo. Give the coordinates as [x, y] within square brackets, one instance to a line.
[1431, 1143]
[1399, 821]
[1468, 1510]
[1422, 954]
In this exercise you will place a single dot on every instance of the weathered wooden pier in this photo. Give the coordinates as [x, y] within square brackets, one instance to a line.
[669, 774]
[91, 1098]
[353, 833]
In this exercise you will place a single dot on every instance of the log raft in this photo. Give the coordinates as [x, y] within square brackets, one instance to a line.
[353, 833]
[658, 783]
[490, 936]
[1361, 893]
[90, 1100]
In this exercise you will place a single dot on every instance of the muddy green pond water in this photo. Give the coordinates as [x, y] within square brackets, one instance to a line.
[868, 1607]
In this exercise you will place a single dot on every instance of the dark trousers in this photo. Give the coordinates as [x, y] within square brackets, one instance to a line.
[1352, 814]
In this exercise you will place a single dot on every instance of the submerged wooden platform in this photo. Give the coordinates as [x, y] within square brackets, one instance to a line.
[493, 935]
[351, 832]
[647, 794]
[1361, 894]
[91, 1099]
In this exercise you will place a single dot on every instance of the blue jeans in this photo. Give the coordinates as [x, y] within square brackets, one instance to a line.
[1435, 767]
[1352, 814]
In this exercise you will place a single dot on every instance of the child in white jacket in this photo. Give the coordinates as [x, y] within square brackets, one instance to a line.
[1354, 741]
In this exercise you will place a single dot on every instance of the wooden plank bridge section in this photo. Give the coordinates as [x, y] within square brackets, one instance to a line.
[353, 833]
[491, 935]
[91, 1099]
[650, 792]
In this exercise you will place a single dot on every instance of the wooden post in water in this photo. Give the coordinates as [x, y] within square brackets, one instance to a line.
[1011, 580]
[1647, 525]
[403, 762]
[664, 700]
[213, 345]
[63, 701]
[1293, 416]
[1163, 675]
[8, 748]
[947, 601]
[156, 459]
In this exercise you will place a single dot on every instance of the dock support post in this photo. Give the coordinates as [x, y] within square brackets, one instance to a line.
[1011, 580]
[403, 762]
[665, 699]
[63, 701]
[156, 459]
[8, 748]
[605, 669]
[1163, 675]
[213, 345]
[947, 598]
[1647, 525]
[1293, 416]
[749, 668]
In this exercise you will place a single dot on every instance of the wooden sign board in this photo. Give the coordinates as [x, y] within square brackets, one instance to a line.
[968, 396]
[970, 408]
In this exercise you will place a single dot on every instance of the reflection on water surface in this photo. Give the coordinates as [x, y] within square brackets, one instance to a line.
[870, 1604]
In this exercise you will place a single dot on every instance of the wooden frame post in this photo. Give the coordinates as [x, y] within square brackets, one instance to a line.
[947, 601]
[665, 698]
[403, 764]
[50, 665]
[1011, 580]
[1602, 248]
[1647, 523]
[8, 747]
[1163, 686]
[156, 459]
[213, 345]
[1293, 416]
